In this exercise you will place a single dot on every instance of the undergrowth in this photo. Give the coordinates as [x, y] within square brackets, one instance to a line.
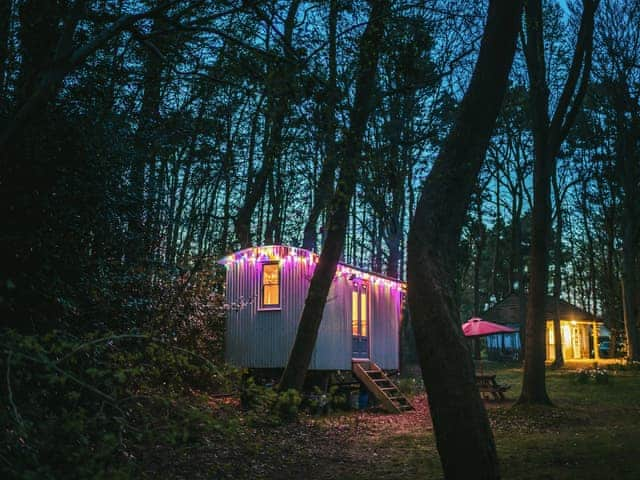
[90, 407]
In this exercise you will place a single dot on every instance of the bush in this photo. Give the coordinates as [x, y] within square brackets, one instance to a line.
[320, 402]
[597, 375]
[92, 407]
[627, 366]
[267, 406]
[411, 386]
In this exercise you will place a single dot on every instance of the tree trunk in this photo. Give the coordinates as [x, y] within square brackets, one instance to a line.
[548, 134]
[533, 387]
[476, 271]
[145, 154]
[5, 33]
[279, 82]
[350, 154]
[459, 417]
[493, 287]
[49, 80]
[324, 188]
[557, 276]
[628, 168]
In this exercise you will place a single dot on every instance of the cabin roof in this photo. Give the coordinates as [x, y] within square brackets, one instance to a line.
[507, 311]
[279, 252]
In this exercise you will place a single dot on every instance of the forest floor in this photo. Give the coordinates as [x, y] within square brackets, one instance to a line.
[592, 432]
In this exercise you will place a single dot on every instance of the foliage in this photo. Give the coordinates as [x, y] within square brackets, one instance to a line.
[597, 375]
[268, 406]
[626, 366]
[91, 406]
[320, 402]
[411, 386]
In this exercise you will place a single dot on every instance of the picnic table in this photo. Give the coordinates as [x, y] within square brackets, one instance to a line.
[488, 386]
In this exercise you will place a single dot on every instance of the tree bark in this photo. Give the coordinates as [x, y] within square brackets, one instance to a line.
[459, 417]
[548, 133]
[534, 388]
[349, 161]
[145, 154]
[557, 276]
[324, 188]
[629, 170]
[280, 78]
[65, 61]
[479, 241]
[5, 33]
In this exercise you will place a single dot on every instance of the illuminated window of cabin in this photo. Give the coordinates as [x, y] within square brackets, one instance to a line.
[359, 314]
[355, 328]
[270, 285]
[363, 313]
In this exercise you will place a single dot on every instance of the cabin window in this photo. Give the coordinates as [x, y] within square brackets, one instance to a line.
[359, 307]
[270, 285]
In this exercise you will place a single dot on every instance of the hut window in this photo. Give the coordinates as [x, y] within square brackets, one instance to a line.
[270, 285]
[359, 320]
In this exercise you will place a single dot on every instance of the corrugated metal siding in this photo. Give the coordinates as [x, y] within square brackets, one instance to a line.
[385, 326]
[263, 339]
[333, 346]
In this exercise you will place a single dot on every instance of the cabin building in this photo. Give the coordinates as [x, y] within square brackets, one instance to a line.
[579, 329]
[266, 288]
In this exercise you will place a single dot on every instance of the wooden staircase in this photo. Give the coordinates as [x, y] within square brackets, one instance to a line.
[381, 386]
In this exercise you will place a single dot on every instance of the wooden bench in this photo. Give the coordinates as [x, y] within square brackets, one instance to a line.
[487, 385]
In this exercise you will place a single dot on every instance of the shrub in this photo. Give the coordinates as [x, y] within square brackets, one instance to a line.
[92, 407]
[597, 375]
[320, 402]
[411, 386]
[582, 376]
[627, 366]
[267, 406]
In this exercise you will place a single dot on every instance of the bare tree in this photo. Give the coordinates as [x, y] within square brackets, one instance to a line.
[280, 79]
[324, 187]
[66, 58]
[459, 417]
[620, 62]
[548, 133]
[350, 153]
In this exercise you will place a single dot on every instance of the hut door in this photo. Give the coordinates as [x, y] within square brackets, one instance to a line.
[576, 337]
[360, 321]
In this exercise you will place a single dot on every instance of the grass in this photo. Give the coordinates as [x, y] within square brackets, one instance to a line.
[591, 432]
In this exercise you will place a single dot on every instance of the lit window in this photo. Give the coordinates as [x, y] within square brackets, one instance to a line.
[363, 313]
[354, 313]
[359, 305]
[270, 285]
[566, 335]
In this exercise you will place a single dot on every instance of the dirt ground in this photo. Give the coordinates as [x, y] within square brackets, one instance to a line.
[346, 445]
[591, 433]
[343, 445]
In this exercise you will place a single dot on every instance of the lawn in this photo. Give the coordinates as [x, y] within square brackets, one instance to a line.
[592, 432]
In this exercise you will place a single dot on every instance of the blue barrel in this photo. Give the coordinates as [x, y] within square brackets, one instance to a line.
[363, 399]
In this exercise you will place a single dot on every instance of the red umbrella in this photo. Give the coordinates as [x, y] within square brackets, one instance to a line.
[476, 327]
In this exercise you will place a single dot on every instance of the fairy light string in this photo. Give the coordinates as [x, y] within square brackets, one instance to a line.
[288, 255]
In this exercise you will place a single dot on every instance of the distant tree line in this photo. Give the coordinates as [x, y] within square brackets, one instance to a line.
[141, 141]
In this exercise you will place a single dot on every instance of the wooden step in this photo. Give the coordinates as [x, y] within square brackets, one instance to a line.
[383, 388]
